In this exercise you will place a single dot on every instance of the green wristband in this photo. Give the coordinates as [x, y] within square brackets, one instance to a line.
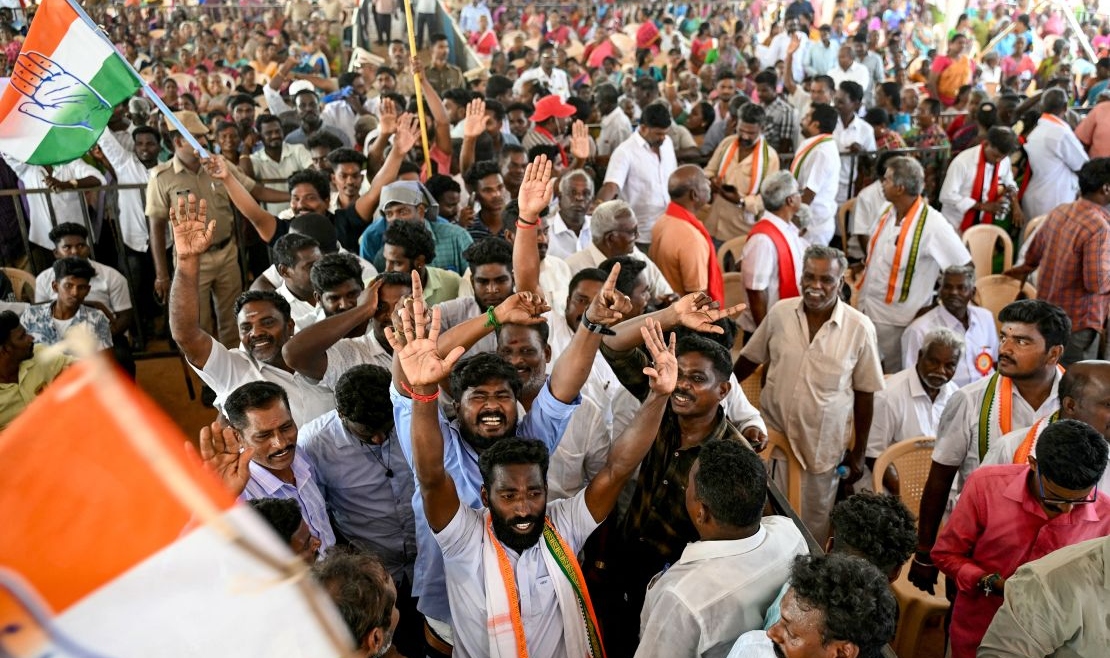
[491, 319]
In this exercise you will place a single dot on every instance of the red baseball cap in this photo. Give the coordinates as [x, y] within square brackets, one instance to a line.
[552, 106]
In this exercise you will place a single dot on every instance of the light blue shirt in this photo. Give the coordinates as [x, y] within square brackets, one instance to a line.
[546, 421]
[38, 320]
[819, 59]
[264, 484]
[370, 508]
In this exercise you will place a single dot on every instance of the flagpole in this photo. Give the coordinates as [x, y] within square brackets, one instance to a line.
[154, 97]
[418, 84]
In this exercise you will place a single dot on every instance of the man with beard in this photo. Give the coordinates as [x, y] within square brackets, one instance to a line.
[737, 170]
[554, 79]
[263, 320]
[486, 389]
[277, 160]
[486, 187]
[294, 255]
[549, 126]
[956, 312]
[491, 275]
[347, 168]
[570, 232]
[337, 285]
[410, 247]
[257, 455]
[409, 201]
[308, 111]
[555, 616]
[24, 368]
[1024, 389]
[822, 369]
[362, 591]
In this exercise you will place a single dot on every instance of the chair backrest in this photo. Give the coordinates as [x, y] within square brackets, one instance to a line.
[842, 214]
[912, 459]
[23, 283]
[753, 386]
[779, 446]
[1030, 228]
[981, 240]
[734, 289]
[728, 255]
[994, 292]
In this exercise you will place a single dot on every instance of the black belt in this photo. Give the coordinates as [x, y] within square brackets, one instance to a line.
[219, 245]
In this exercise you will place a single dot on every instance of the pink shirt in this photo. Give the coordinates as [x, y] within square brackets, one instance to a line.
[996, 527]
[1094, 131]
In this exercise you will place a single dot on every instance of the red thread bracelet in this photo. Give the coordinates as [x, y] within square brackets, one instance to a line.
[418, 397]
[524, 227]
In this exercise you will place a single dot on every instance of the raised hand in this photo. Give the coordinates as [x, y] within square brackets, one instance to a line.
[216, 166]
[224, 455]
[522, 308]
[579, 141]
[663, 373]
[475, 122]
[417, 353]
[407, 133]
[369, 295]
[610, 305]
[192, 232]
[536, 190]
[698, 311]
[795, 43]
[55, 96]
[387, 117]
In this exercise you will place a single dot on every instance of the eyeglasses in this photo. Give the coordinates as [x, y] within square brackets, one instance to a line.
[634, 232]
[1090, 498]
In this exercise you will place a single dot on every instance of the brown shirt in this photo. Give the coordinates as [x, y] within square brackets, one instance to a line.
[172, 176]
[448, 77]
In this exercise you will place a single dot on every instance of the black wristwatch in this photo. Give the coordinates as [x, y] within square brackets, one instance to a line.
[596, 328]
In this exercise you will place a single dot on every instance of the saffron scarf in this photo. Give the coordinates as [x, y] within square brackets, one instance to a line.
[716, 288]
[807, 150]
[504, 622]
[977, 192]
[788, 275]
[761, 155]
[1031, 438]
[996, 411]
[914, 223]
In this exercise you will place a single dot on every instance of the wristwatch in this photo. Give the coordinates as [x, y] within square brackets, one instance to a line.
[743, 203]
[596, 328]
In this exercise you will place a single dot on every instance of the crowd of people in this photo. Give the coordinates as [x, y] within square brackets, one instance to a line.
[486, 374]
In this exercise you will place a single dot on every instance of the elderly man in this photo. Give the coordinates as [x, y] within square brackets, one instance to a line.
[570, 232]
[1056, 155]
[680, 244]
[737, 169]
[823, 366]
[613, 231]
[979, 181]
[910, 247]
[364, 594]
[816, 165]
[639, 169]
[772, 256]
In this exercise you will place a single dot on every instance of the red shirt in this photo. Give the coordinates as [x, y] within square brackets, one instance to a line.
[996, 527]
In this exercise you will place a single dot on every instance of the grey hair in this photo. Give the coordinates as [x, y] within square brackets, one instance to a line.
[907, 174]
[945, 337]
[604, 219]
[821, 252]
[777, 188]
[564, 183]
[960, 270]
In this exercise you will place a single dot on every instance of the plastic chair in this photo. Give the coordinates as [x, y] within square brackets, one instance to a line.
[23, 283]
[728, 255]
[912, 459]
[1031, 227]
[753, 386]
[980, 240]
[842, 214]
[777, 443]
[994, 292]
[734, 289]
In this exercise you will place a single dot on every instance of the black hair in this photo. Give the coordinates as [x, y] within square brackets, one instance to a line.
[414, 238]
[825, 116]
[526, 108]
[268, 296]
[318, 227]
[1072, 454]
[826, 80]
[496, 86]
[587, 274]
[877, 527]
[317, 179]
[458, 96]
[437, 37]
[359, 587]
[708, 114]
[582, 108]
[281, 514]
[8, 322]
[893, 91]
[73, 266]
[263, 119]
[549, 150]
[480, 170]
[656, 116]
[489, 251]
[717, 354]
[732, 483]
[510, 451]
[362, 396]
[767, 77]
[439, 184]
[752, 113]
[853, 595]
[288, 247]
[726, 75]
[347, 78]
[252, 395]
[481, 368]
[386, 70]
[933, 105]
[496, 108]
[1002, 139]
[1051, 320]
[541, 328]
[1092, 176]
[877, 116]
[395, 279]
[344, 155]
[239, 99]
[146, 130]
[630, 271]
[334, 270]
[853, 90]
[66, 229]
[408, 167]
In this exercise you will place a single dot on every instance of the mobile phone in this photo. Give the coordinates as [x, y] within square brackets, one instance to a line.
[184, 192]
[731, 189]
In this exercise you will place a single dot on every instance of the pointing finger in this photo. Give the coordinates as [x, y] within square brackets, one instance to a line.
[611, 282]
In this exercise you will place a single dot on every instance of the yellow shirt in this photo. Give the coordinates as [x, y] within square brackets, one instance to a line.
[724, 219]
[34, 374]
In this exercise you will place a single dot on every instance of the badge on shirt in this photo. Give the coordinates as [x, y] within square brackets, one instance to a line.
[984, 363]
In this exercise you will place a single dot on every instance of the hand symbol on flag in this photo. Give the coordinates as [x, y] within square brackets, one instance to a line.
[56, 96]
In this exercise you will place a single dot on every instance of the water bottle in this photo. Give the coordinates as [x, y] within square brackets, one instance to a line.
[842, 472]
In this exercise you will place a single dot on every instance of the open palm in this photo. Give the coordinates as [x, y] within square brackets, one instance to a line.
[192, 232]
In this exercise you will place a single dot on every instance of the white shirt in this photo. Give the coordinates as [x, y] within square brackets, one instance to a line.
[108, 287]
[294, 158]
[555, 276]
[809, 394]
[368, 270]
[981, 335]
[1003, 451]
[857, 73]
[753, 644]
[939, 248]
[820, 173]
[347, 353]
[675, 39]
[955, 193]
[717, 591]
[339, 114]
[456, 311]
[583, 451]
[1055, 156]
[303, 313]
[642, 177]
[462, 542]
[563, 241]
[760, 261]
[903, 410]
[857, 132]
[69, 206]
[134, 229]
[958, 430]
[865, 215]
[615, 128]
[591, 256]
[779, 46]
[557, 83]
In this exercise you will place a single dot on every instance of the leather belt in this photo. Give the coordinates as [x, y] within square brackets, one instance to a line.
[219, 245]
[435, 642]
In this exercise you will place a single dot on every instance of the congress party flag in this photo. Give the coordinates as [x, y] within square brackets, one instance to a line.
[64, 84]
[116, 542]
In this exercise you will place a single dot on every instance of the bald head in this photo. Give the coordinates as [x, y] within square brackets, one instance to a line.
[1084, 393]
[688, 187]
